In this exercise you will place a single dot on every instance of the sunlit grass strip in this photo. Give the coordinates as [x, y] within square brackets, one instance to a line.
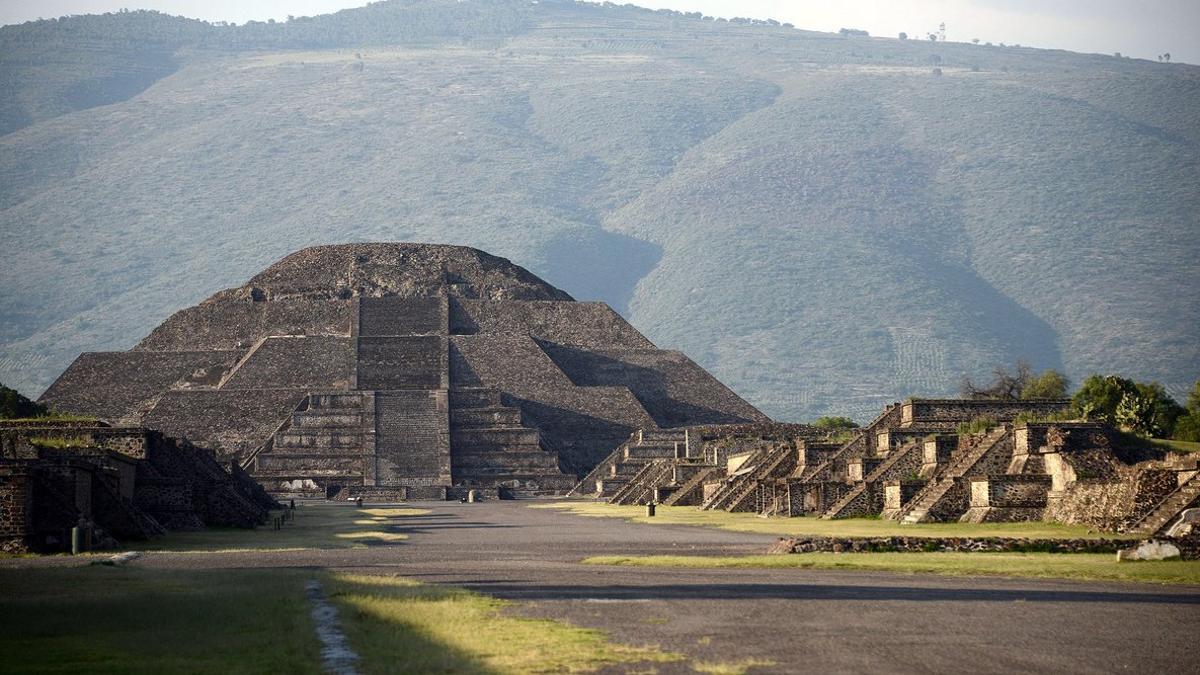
[1092, 566]
[399, 626]
[733, 668]
[322, 525]
[372, 536]
[817, 527]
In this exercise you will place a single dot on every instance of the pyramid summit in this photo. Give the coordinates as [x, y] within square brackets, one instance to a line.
[410, 368]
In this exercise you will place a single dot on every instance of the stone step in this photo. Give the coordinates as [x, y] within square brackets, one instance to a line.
[494, 436]
[477, 418]
[607, 487]
[649, 452]
[349, 463]
[318, 438]
[335, 401]
[626, 469]
[310, 473]
[475, 397]
[327, 418]
[506, 461]
[496, 449]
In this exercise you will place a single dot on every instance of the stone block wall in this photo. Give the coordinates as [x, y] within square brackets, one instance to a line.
[918, 411]
[317, 362]
[591, 325]
[1010, 491]
[238, 325]
[232, 423]
[114, 385]
[414, 362]
[392, 316]
[16, 507]
[897, 493]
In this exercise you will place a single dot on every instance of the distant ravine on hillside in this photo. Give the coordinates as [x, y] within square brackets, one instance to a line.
[826, 223]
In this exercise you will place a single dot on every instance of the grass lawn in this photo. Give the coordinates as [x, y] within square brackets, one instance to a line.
[316, 525]
[1091, 566]
[135, 620]
[849, 527]
[399, 626]
[1177, 446]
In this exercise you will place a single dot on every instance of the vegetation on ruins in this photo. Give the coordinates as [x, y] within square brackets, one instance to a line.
[978, 425]
[1021, 383]
[835, 424]
[1142, 408]
[774, 202]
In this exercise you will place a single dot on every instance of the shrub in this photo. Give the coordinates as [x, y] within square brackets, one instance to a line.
[978, 425]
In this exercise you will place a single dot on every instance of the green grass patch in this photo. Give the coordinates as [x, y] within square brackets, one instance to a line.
[316, 525]
[136, 620]
[1177, 446]
[400, 626]
[817, 527]
[1091, 566]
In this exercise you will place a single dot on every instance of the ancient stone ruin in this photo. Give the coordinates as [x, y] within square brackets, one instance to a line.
[919, 461]
[115, 484]
[399, 371]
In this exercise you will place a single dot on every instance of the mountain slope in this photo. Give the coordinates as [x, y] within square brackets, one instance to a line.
[822, 221]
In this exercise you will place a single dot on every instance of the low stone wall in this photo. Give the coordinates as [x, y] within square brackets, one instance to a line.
[946, 544]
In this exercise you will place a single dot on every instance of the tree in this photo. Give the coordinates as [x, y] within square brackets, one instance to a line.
[1049, 384]
[1099, 396]
[1140, 407]
[1187, 427]
[903, 36]
[13, 405]
[835, 423]
[974, 41]
[1004, 385]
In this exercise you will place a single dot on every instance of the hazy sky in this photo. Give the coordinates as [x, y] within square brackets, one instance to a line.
[1142, 28]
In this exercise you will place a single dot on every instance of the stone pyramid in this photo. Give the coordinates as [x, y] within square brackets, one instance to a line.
[424, 367]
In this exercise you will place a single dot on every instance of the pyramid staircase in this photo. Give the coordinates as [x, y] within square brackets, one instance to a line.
[492, 447]
[1159, 518]
[322, 440]
[927, 499]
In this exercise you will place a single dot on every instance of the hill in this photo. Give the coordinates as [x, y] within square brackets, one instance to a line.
[821, 221]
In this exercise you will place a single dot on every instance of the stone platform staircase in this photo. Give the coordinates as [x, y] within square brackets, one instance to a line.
[493, 448]
[866, 496]
[924, 504]
[739, 493]
[691, 491]
[1159, 518]
[322, 440]
[640, 488]
[623, 464]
